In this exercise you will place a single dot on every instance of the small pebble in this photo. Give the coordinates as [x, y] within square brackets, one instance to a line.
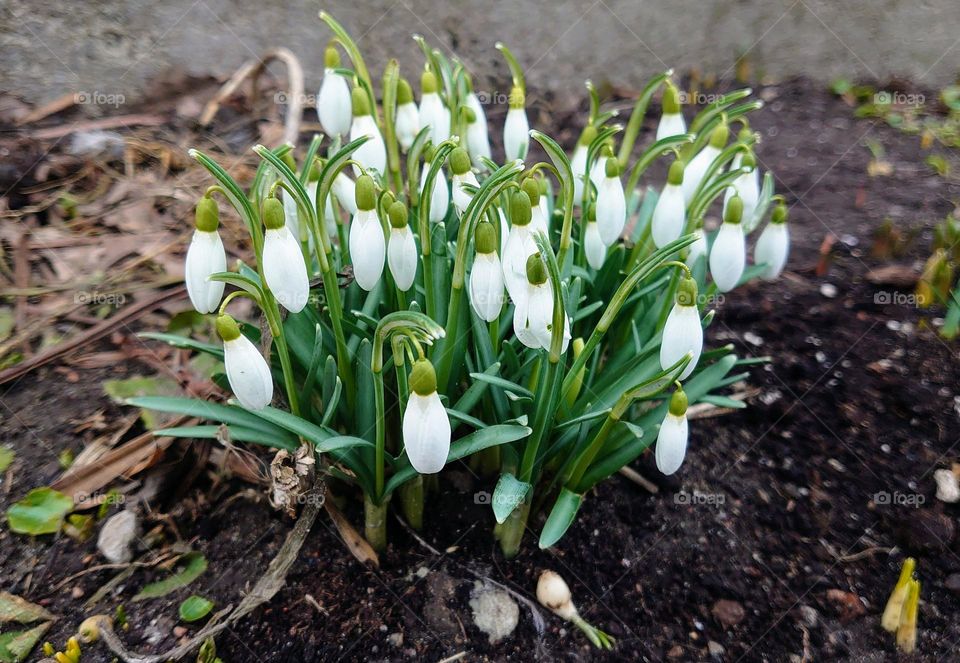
[828, 290]
[948, 487]
[179, 631]
[715, 648]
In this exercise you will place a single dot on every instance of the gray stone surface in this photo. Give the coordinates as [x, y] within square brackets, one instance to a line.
[111, 49]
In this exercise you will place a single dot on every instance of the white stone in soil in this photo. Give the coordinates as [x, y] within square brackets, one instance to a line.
[494, 611]
[117, 535]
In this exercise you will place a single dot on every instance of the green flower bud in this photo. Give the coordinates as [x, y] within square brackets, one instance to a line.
[532, 189]
[543, 186]
[459, 161]
[780, 213]
[423, 377]
[314, 175]
[671, 99]
[404, 92]
[536, 270]
[207, 217]
[744, 135]
[360, 101]
[748, 160]
[398, 215]
[678, 403]
[227, 328]
[517, 97]
[718, 138]
[520, 208]
[588, 136]
[734, 210]
[428, 153]
[331, 58]
[606, 150]
[469, 115]
[287, 158]
[612, 167]
[366, 193]
[273, 217]
[687, 292]
[675, 176]
[485, 238]
[428, 82]
[592, 212]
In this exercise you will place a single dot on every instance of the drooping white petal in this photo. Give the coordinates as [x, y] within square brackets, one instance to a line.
[372, 154]
[747, 186]
[728, 256]
[334, 107]
[460, 197]
[434, 114]
[407, 124]
[611, 210]
[504, 230]
[345, 190]
[205, 257]
[402, 257]
[426, 433]
[697, 250]
[291, 214]
[682, 333]
[439, 196]
[772, 249]
[284, 269]
[544, 206]
[695, 171]
[578, 164]
[593, 246]
[669, 216]
[248, 373]
[478, 140]
[486, 286]
[367, 249]
[671, 124]
[671, 443]
[520, 246]
[538, 219]
[516, 134]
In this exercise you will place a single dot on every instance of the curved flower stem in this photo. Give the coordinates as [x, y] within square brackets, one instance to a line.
[636, 116]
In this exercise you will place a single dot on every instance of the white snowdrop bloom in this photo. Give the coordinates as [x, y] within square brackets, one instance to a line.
[372, 155]
[670, 214]
[460, 165]
[205, 256]
[247, 370]
[672, 438]
[696, 250]
[533, 315]
[593, 246]
[728, 253]
[578, 162]
[345, 191]
[432, 112]
[747, 186]
[520, 246]
[367, 243]
[478, 140]
[611, 204]
[696, 170]
[486, 275]
[773, 246]
[516, 128]
[504, 230]
[439, 195]
[291, 213]
[544, 206]
[283, 267]
[407, 122]
[402, 257]
[426, 426]
[682, 332]
[538, 218]
[333, 100]
[671, 121]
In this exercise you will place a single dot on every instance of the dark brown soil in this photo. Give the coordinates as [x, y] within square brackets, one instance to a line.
[776, 505]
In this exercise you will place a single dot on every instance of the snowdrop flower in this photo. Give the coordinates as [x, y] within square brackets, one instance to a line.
[593, 245]
[367, 244]
[426, 427]
[545, 203]
[460, 165]
[578, 162]
[205, 257]
[283, 267]
[696, 250]
[747, 186]
[671, 121]
[345, 191]
[672, 438]
[682, 333]
[439, 196]
[611, 203]
[504, 230]
[478, 141]
[538, 218]
[486, 276]
[697, 168]
[247, 370]
[433, 113]
[728, 254]
[774, 244]
[520, 245]
[516, 128]
[670, 214]
[372, 155]
[333, 100]
[407, 123]
[402, 249]
[533, 315]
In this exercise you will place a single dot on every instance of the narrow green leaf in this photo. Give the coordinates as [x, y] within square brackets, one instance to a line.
[508, 495]
[194, 564]
[194, 407]
[562, 515]
[184, 342]
[511, 388]
[236, 433]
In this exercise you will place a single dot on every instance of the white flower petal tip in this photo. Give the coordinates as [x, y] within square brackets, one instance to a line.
[407, 124]
[682, 334]
[205, 256]
[611, 210]
[284, 269]
[248, 373]
[671, 443]
[367, 249]
[334, 108]
[402, 257]
[772, 250]
[516, 134]
[426, 433]
[486, 287]
[671, 124]
[439, 196]
[728, 256]
[669, 216]
[594, 247]
[372, 155]
[697, 250]
[695, 171]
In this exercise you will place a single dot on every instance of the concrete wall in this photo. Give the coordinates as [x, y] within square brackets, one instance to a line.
[115, 47]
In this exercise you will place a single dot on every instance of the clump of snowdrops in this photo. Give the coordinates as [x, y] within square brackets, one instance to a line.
[431, 299]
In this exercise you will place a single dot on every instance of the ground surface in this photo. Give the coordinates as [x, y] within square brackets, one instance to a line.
[794, 514]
